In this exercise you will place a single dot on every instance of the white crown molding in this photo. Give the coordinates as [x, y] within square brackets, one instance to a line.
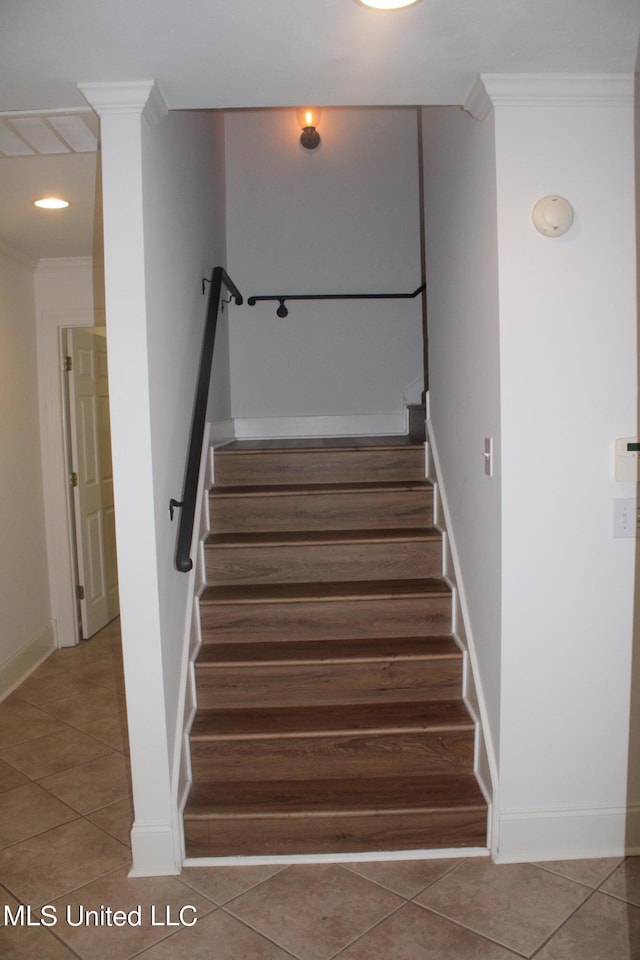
[555, 90]
[478, 102]
[137, 97]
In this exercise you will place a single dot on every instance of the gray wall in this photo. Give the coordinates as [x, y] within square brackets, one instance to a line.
[344, 218]
[464, 360]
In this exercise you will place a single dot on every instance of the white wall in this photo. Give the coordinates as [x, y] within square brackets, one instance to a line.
[464, 369]
[163, 187]
[551, 601]
[343, 218]
[27, 633]
[633, 781]
[568, 389]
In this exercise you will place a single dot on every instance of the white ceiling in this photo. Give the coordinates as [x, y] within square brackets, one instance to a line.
[243, 53]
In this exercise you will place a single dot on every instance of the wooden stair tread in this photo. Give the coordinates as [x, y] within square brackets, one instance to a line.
[311, 537]
[283, 489]
[330, 715]
[315, 721]
[291, 652]
[355, 797]
[322, 592]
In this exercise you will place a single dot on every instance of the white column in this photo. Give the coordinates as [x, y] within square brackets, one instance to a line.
[124, 109]
[568, 360]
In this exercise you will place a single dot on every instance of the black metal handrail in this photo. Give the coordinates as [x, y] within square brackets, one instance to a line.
[219, 278]
[282, 298]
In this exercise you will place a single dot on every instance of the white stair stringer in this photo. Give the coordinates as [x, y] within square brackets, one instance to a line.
[485, 768]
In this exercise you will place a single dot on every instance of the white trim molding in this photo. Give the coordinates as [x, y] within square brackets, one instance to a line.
[222, 431]
[24, 661]
[59, 543]
[563, 834]
[486, 765]
[478, 102]
[374, 425]
[153, 847]
[375, 856]
[126, 96]
[548, 90]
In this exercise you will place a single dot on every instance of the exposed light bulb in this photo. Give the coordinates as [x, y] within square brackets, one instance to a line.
[308, 117]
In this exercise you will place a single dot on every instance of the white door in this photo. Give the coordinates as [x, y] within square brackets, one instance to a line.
[92, 477]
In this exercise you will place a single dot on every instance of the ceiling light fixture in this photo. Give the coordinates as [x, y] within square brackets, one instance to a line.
[388, 4]
[308, 119]
[51, 203]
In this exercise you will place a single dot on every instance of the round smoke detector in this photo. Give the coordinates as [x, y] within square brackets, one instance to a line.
[552, 216]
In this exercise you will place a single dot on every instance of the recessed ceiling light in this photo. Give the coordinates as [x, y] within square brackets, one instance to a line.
[51, 203]
[388, 4]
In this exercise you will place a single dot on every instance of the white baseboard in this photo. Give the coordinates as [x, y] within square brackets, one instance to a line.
[153, 847]
[25, 660]
[374, 425]
[566, 834]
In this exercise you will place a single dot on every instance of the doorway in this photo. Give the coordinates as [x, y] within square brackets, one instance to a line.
[88, 451]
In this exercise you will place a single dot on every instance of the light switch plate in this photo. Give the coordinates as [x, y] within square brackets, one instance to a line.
[625, 518]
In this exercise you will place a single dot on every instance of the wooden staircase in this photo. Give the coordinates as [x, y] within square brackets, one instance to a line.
[330, 717]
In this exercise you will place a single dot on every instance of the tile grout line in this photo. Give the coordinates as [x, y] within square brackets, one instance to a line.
[564, 922]
[472, 931]
[259, 933]
[336, 956]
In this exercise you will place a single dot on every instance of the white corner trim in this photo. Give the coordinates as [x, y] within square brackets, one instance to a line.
[153, 848]
[382, 424]
[558, 90]
[478, 102]
[562, 834]
[126, 97]
[222, 431]
[25, 660]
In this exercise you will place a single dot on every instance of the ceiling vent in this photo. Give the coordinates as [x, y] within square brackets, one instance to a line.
[48, 133]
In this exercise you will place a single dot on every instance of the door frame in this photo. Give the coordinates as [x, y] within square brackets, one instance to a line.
[53, 440]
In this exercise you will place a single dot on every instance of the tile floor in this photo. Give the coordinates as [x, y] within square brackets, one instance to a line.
[65, 815]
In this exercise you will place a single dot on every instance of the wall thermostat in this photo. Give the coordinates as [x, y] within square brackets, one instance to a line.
[628, 459]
